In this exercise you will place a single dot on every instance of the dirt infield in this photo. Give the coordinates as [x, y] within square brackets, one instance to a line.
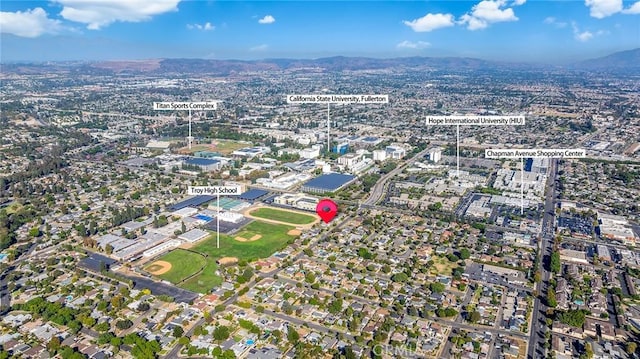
[294, 232]
[225, 261]
[242, 239]
[159, 267]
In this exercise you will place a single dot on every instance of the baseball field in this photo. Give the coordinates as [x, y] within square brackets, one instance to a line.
[197, 271]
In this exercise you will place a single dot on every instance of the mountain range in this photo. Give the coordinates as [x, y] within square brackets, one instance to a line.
[624, 61]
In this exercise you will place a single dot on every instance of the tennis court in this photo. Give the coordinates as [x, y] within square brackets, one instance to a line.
[229, 204]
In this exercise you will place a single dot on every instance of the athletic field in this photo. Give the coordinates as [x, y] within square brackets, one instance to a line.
[256, 240]
[281, 215]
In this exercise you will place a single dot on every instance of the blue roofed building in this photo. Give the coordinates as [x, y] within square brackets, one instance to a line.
[330, 182]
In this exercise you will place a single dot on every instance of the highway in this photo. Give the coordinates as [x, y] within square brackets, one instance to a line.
[538, 325]
[378, 189]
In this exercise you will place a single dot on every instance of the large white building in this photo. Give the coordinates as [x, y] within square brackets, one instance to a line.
[379, 155]
[231, 217]
[297, 200]
[161, 248]
[310, 153]
[395, 152]
[435, 155]
[349, 160]
[616, 228]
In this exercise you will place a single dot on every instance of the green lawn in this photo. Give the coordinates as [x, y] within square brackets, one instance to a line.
[227, 146]
[183, 264]
[283, 216]
[205, 281]
[274, 238]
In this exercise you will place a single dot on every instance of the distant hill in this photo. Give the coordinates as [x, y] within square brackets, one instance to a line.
[620, 61]
[623, 60]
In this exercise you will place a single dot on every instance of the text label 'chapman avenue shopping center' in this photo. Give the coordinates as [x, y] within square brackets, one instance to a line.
[338, 99]
[197, 106]
[475, 120]
[535, 153]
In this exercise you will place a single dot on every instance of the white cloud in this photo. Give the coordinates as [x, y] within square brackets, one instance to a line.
[487, 12]
[553, 21]
[204, 27]
[29, 23]
[99, 13]
[406, 44]
[633, 9]
[583, 36]
[268, 19]
[518, 2]
[586, 35]
[430, 22]
[603, 8]
[262, 47]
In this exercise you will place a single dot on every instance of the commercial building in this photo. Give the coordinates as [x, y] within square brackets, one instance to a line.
[570, 255]
[435, 155]
[310, 153]
[341, 148]
[616, 228]
[395, 152]
[330, 182]
[349, 160]
[379, 155]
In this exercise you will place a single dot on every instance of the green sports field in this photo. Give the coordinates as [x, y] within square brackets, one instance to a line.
[283, 216]
[184, 263]
[274, 238]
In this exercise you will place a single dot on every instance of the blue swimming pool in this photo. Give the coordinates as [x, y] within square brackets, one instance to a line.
[3, 256]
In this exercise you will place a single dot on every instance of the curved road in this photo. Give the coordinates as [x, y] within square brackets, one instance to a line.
[378, 189]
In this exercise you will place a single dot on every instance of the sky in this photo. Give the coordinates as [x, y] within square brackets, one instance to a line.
[512, 30]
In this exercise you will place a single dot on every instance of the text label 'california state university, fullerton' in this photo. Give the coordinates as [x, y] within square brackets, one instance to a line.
[365, 99]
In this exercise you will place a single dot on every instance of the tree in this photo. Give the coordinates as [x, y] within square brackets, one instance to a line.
[474, 317]
[335, 307]
[177, 331]
[574, 318]
[35, 232]
[54, 344]
[555, 265]
[108, 249]
[292, 336]
[588, 351]
[221, 333]
[464, 253]
[124, 324]
[551, 298]
[436, 287]
[631, 347]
